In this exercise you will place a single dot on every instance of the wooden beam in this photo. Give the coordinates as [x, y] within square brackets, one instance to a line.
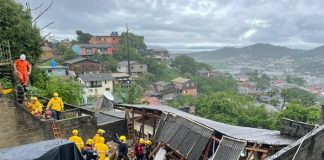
[205, 155]
[251, 152]
[133, 124]
[143, 123]
[215, 138]
[154, 126]
[256, 149]
[157, 148]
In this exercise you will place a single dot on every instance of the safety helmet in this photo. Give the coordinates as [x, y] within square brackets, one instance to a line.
[89, 142]
[101, 131]
[33, 98]
[148, 142]
[23, 57]
[55, 94]
[101, 140]
[141, 141]
[75, 132]
[122, 138]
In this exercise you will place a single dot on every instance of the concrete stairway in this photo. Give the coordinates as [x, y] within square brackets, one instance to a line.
[17, 127]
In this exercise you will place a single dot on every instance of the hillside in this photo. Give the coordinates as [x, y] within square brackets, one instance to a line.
[258, 50]
[318, 51]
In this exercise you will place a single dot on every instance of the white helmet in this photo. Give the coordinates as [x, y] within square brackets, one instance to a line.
[23, 57]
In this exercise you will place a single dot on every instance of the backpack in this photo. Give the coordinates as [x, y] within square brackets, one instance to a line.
[139, 149]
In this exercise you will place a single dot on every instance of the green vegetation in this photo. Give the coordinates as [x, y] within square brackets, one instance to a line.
[298, 95]
[295, 80]
[16, 27]
[262, 82]
[83, 37]
[298, 112]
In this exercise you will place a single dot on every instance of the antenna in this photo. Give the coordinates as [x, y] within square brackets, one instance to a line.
[129, 71]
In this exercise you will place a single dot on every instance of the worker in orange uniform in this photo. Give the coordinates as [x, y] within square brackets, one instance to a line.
[56, 105]
[99, 134]
[76, 139]
[102, 149]
[36, 107]
[23, 69]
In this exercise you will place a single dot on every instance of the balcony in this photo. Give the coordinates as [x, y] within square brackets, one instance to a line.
[95, 85]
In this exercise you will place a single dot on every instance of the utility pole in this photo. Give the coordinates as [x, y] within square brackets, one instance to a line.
[128, 59]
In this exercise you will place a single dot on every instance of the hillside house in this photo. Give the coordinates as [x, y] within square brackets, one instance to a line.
[96, 84]
[161, 54]
[113, 40]
[203, 73]
[135, 67]
[91, 49]
[81, 65]
[56, 71]
[185, 86]
[164, 90]
[122, 78]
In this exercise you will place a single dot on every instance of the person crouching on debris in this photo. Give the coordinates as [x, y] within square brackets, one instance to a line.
[99, 134]
[89, 152]
[36, 107]
[148, 149]
[56, 105]
[22, 69]
[76, 139]
[139, 149]
[102, 149]
[48, 113]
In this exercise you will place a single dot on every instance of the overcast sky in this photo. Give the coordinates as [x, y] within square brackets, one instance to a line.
[191, 23]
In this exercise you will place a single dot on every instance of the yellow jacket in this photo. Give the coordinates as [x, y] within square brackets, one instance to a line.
[36, 106]
[101, 149]
[78, 141]
[96, 138]
[56, 104]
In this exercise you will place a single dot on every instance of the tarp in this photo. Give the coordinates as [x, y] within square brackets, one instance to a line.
[45, 150]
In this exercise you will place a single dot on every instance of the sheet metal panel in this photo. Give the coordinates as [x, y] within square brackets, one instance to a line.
[229, 149]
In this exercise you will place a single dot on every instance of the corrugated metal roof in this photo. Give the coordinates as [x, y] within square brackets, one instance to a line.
[255, 135]
[162, 83]
[78, 59]
[181, 80]
[125, 63]
[229, 149]
[105, 118]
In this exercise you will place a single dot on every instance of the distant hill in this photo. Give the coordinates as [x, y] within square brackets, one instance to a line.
[258, 50]
[318, 51]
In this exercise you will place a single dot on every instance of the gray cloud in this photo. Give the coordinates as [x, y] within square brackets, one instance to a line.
[192, 23]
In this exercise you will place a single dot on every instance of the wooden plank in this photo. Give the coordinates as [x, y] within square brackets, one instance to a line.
[156, 149]
[251, 153]
[256, 149]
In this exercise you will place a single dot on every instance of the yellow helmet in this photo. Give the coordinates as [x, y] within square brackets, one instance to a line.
[33, 98]
[89, 142]
[55, 94]
[148, 142]
[75, 132]
[122, 138]
[101, 131]
[101, 140]
[141, 141]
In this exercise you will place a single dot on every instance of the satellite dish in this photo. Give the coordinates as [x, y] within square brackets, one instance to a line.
[109, 96]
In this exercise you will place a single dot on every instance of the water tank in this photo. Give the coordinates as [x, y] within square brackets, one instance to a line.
[53, 64]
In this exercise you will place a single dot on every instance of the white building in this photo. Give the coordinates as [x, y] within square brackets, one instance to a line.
[135, 67]
[96, 84]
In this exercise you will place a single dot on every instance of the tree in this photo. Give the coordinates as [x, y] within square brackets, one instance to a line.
[83, 37]
[68, 54]
[301, 96]
[295, 80]
[135, 41]
[17, 28]
[184, 64]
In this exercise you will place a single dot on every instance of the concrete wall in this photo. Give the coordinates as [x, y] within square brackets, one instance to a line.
[311, 148]
[294, 128]
[111, 128]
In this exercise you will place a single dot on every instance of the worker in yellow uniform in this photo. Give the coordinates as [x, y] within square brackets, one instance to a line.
[102, 149]
[99, 134]
[35, 105]
[76, 139]
[56, 105]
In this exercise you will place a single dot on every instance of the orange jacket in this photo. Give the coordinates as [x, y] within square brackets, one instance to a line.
[22, 65]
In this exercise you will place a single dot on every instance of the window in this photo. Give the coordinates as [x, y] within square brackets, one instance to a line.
[192, 84]
[187, 84]
[113, 38]
[105, 82]
[107, 89]
[119, 67]
[96, 91]
[90, 90]
[50, 71]
[132, 67]
[141, 66]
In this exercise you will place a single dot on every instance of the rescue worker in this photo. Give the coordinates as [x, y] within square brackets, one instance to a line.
[99, 134]
[102, 149]
[22, 69]
[139, 149]
[56, 105]
[76, 139]
[48, 113]
[122, 148]
[36, 106]
[88, 151]
[148, 149]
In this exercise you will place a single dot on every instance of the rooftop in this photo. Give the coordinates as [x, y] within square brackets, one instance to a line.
[181, 80]
[255, 135]
[78, 59]
[125, 63]
[119, 75]
[96, 77]
[94, 45]
[162, 83]
[50, 67]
